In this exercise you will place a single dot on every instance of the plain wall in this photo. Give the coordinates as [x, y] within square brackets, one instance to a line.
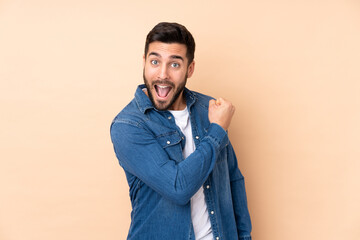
[291, 68]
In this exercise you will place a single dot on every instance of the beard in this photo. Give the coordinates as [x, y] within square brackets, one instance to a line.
[164, 105]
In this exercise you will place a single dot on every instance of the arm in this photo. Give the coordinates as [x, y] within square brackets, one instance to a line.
[242, 216]
[140, 154]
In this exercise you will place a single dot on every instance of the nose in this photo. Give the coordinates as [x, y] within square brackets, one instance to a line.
[163, 72]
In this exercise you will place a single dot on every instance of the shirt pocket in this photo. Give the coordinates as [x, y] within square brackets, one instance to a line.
[171, 143]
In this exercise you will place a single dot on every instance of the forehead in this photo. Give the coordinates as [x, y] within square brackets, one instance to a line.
[167, 49]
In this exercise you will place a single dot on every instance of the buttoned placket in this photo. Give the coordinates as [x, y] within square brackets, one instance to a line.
[211, 208]
[170, 117]
[194, 130]
[206, 186]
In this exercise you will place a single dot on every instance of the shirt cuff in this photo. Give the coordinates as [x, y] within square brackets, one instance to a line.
[245, 238]
[218, 135]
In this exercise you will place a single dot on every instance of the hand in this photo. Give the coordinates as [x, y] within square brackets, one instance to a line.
[221, 112]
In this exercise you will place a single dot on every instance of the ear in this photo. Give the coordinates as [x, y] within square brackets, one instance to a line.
[144, 59]
[191, 69]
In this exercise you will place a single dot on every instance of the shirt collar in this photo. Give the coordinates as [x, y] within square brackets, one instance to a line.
[143, 102]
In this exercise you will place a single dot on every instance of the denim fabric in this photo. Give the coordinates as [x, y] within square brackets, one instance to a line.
[148, 145]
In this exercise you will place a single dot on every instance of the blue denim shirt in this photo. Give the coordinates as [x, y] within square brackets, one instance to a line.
[148, 145]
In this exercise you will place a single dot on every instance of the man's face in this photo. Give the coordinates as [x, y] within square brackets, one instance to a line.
[165, 73]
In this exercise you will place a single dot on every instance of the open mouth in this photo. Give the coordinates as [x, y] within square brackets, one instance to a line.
[162, 91]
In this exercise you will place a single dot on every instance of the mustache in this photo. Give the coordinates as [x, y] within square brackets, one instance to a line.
[163, 82]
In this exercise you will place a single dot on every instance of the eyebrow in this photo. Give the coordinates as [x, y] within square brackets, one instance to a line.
[177, 57]
[172, 56]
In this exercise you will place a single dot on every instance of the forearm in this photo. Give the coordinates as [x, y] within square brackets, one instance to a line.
[143, 157]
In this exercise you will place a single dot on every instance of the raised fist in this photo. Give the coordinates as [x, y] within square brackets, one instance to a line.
[221, 112]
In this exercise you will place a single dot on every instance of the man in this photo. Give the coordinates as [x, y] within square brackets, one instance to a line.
[173, 145]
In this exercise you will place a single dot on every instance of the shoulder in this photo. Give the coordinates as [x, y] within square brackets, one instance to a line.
[130, 114]
[201, 99]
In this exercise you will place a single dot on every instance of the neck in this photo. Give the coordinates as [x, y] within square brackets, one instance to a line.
[180, 103]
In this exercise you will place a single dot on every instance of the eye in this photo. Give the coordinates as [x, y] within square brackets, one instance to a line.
[175, 65]
[154, 62]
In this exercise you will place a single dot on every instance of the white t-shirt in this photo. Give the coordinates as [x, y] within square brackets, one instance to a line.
[199, 212]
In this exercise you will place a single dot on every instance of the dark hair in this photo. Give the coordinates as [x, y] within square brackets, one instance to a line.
[172, 33]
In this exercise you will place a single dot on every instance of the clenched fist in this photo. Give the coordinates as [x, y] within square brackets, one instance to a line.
[221, 112]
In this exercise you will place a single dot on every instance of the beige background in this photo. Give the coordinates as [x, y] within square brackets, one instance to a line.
[291, 68]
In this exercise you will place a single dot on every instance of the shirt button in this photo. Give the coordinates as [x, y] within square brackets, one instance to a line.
[197, 137]
[217, 238]
[212, 212]
[168, 142]
[169, 117]
[182, 138]
[207, 186]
